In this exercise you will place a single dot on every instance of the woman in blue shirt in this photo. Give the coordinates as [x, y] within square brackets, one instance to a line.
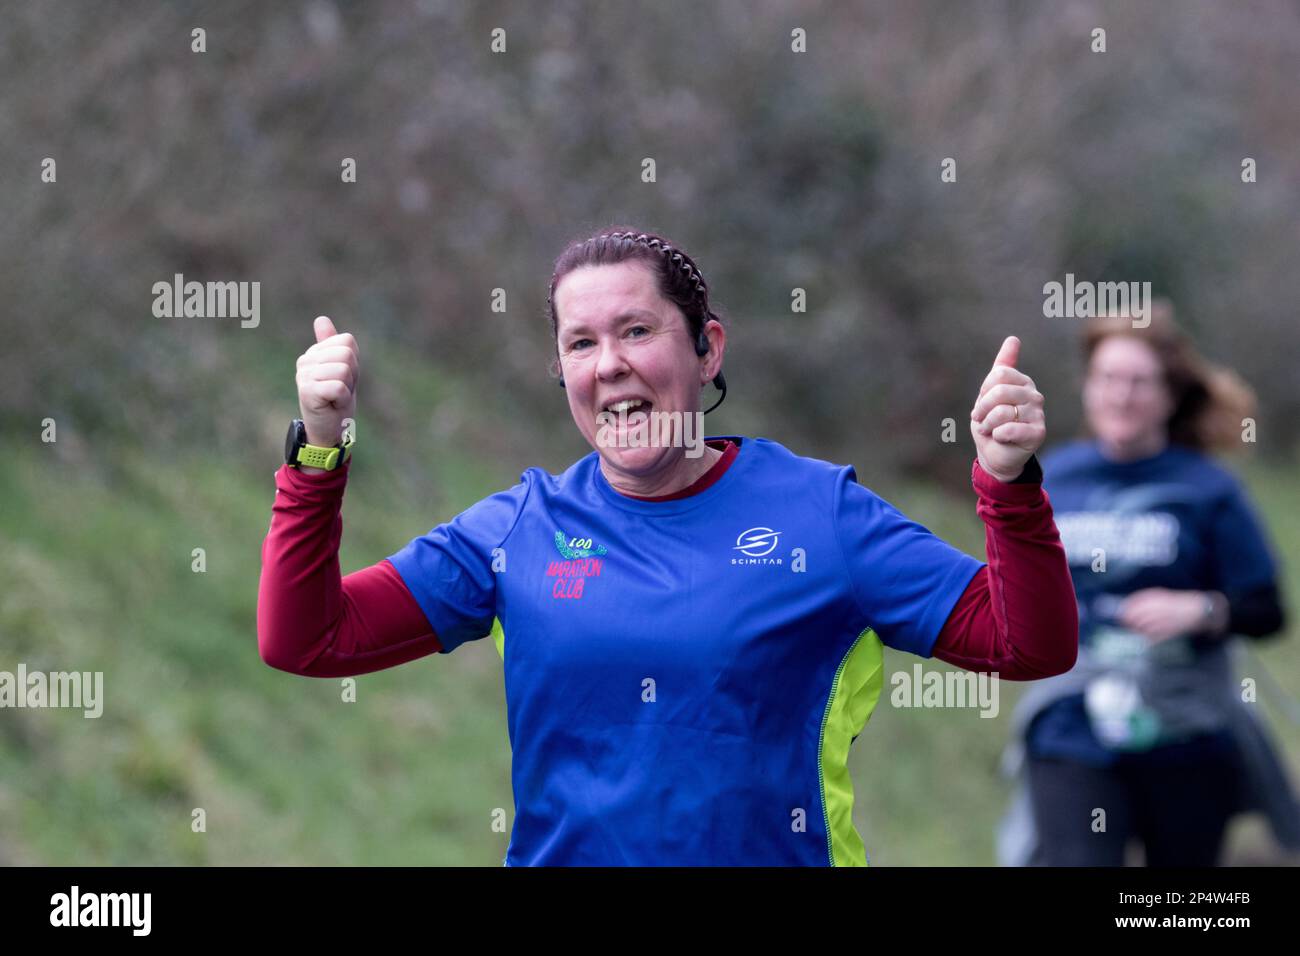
[694, 630]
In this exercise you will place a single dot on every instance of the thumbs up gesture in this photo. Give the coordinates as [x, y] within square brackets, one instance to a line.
[1007, 421]
[327, 383]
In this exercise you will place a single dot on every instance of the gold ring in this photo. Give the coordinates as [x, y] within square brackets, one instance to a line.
[1017, 408]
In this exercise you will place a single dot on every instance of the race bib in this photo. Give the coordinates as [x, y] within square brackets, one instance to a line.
[1120, 718]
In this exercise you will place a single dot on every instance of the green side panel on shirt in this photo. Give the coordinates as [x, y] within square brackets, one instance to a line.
[854, 693]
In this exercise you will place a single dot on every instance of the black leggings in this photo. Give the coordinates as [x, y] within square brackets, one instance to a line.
[1177, 799]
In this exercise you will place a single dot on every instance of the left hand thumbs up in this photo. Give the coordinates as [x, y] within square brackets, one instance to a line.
[1007, 422]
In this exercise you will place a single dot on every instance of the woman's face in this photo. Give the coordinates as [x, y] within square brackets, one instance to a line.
[618, 338]
[1125, 398]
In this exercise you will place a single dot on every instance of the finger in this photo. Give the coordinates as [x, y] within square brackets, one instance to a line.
[1024, 395]
[332, 392]
[1139, 617]
[1128, 612]
[331, 353]
[342, 339]
[1152, 627]
[1132, 604]
[1146, 630]
[1146, 601]
[1020, 434]
[1009, 354]
[1000, 374]
[330, 372]
[1133, 613]
[323, 327]
[1134, 624]
[1001, 415]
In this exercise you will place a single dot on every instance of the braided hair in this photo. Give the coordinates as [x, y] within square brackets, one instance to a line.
[678, 278]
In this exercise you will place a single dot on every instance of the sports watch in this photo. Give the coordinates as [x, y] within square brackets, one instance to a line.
[297, 452]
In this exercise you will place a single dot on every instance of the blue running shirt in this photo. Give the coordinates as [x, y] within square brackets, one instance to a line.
[683, 678]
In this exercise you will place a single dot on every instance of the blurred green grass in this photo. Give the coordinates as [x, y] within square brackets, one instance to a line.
[97, 571]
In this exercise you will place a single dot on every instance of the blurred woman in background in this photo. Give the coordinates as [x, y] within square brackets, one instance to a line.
[1147, 736]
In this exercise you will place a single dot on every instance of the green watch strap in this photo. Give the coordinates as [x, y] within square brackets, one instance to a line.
[326, 458]
[315, 456]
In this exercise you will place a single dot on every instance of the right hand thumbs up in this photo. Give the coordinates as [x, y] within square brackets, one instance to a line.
[327, 383]
[323, 327]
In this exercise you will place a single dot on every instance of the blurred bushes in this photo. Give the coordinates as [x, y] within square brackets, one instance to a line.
[776, 170]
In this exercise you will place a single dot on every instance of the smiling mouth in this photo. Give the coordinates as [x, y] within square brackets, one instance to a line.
[628, 406]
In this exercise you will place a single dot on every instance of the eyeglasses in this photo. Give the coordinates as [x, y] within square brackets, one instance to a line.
[1140, 383]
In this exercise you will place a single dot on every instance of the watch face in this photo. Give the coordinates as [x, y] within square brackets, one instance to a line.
[294, 439]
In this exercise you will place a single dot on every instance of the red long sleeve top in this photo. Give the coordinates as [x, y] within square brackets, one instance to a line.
[1017, 617]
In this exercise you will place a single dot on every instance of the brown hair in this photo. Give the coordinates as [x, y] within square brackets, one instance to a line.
[1209, 400]
[677, 277]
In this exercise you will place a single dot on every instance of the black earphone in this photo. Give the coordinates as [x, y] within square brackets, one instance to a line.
[720, 383]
